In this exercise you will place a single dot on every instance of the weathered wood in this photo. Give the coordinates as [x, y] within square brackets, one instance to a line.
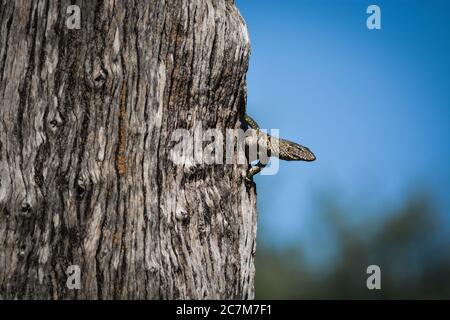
[86, 179]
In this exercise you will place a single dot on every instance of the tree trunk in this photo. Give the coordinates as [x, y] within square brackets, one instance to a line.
[86, 176]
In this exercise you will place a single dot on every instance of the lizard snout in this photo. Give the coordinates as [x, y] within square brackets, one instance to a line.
[308, 155]
[292, 151]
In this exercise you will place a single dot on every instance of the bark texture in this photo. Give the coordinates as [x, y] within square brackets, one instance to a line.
[86, 179]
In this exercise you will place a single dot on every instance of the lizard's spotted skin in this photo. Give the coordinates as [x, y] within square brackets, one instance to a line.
[280, 148]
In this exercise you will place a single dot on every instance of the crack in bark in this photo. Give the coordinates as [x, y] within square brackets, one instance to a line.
[121, 159]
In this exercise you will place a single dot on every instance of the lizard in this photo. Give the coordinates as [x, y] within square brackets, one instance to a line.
[280, 148]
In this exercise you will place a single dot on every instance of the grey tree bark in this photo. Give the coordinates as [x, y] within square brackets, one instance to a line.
[86, 179]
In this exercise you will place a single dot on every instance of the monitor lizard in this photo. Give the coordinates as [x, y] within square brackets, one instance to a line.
[280, 148]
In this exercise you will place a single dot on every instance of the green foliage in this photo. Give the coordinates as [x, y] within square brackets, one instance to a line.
[408, 244]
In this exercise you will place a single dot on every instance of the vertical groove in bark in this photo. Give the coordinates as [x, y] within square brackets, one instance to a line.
[121, 156]
[86, 176]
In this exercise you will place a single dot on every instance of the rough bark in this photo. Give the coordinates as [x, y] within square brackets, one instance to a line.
[86, 179]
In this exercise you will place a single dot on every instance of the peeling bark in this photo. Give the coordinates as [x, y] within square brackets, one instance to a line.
[86, 179]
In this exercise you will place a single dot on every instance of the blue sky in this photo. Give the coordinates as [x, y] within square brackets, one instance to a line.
[373, 105]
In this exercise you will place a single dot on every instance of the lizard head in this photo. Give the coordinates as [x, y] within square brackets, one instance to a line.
[292, 151]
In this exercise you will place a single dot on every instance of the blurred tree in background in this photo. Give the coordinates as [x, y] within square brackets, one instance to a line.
[408, 242]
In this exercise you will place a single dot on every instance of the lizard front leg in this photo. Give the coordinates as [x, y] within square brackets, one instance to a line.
[259, 166]
[255, 170]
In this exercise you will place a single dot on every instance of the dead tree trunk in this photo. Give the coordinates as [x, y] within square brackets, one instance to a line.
[86, 178]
